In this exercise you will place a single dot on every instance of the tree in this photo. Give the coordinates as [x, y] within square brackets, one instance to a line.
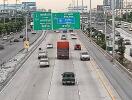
[121, 50]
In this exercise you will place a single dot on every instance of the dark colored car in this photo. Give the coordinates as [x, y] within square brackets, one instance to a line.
[24, 39]
[21, 36]
[1, 47]
[70, 31]
[16, 40]
[64, 31]
[28, 30]
[33, 32]
[77, 47]
[68, 78]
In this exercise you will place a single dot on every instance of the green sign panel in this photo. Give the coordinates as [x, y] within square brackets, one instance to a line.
[66, 20]
[56, 21]
[42, 21]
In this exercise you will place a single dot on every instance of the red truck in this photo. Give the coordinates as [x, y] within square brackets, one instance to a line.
[63, 50]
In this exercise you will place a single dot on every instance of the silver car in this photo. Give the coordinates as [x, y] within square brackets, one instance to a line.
[84, 56]
[44, 62]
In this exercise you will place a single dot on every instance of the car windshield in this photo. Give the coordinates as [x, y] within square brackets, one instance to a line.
[43, 60]
[68, 75]
[85, 53]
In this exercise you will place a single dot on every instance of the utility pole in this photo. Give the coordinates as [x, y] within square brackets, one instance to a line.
[121, 7]
[82, 6]
[126, 11]
[16, 11]
[105, 13]
[82, 15]
[4, 10]
[77, 5]
[90, 22]
[113, 27]
[26, 33]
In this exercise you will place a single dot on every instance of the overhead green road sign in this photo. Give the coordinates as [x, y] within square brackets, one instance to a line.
[70, 20]
[42, 21]
[56, 21]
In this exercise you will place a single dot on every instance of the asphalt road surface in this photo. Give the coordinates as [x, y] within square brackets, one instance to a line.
[121, 82]
[34, 83]
[15, 47]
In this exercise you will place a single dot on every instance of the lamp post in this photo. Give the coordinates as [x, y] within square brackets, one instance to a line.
[105, 13]
[126, 11]
[113, 27]
[77, 5]
[90, 21]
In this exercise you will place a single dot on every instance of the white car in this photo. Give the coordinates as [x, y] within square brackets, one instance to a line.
[44, 62]
[125, 25]
[5, 38]
[74, 37]
[130, 29]
[84, 56]
[42, 55]
[57, 31]
[49, 46]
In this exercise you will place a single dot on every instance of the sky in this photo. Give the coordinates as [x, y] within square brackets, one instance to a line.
[58, 5]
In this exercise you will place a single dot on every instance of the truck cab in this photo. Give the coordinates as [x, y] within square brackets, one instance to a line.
[68, 78]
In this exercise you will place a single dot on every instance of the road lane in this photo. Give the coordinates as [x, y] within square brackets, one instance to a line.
[34, 83]
[117, 77]
[90, 79]
[12, 50]
[30, 82]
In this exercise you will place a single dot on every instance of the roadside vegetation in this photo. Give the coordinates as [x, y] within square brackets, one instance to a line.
[12, 25]
[99, 39]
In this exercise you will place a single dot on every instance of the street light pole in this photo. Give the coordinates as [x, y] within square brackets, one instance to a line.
[26, 34]
[4, 12]
[16, 11]
[82, 15]
[126, 11]
[77, 5]
[113, 27]
[90, 21]
[105, 13]
[82, 6]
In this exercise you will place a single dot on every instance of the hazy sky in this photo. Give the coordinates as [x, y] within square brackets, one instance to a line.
[58, 5]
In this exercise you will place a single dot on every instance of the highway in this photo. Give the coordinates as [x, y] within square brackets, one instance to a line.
[15, 47]
[125, 33]
[34, 83]
[117, 77]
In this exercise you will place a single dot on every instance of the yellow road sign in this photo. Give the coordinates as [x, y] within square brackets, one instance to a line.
[26, 44]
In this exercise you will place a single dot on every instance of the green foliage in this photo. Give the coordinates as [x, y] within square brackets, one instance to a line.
[11, 26]
[121, 50]
[129, 17]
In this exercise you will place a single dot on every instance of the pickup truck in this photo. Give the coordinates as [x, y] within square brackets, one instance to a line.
[84, 56]
[68, 78]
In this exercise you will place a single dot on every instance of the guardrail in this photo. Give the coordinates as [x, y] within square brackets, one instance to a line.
[21, 62]
[3, 62]
[109, 57]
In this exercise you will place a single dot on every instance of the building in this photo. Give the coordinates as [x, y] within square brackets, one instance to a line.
[10, 10]
[127, 4]
[79, 9]
[119, 12]
[118, 3]
[29, 6]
